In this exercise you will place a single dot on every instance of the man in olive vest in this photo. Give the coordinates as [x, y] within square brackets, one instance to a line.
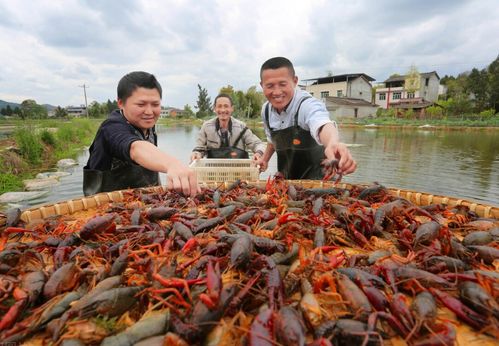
[297, 126]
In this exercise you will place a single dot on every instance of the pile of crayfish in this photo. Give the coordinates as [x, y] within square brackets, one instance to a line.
[244, 264]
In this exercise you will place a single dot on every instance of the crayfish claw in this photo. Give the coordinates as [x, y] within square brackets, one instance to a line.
[330, 170]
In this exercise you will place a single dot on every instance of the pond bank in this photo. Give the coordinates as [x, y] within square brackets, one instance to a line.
[36, 146]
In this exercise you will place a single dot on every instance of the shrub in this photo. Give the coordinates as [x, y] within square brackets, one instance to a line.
[48, 137]
[67, 134]
[434, 111]
[29, 144]
[487, 114]
[409, 113]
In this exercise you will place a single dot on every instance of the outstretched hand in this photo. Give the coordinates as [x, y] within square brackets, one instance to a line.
[340, 152]
[182, 179]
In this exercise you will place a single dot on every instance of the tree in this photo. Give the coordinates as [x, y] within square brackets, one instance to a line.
[203, 104]
[3, 111]
[188, 112]
[255, 102]
[229, 90]
[60, 112]
[111, 106]
[30, 109]
[96, 110]
[493, 79]
[412, 80]
[456, 87]
[8, 110]
[477, 87]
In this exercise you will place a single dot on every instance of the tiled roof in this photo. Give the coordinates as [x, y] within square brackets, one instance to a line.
[402, 78]
[339, 78]
[349, 101]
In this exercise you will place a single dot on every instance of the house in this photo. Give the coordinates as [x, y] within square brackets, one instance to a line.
[167, 112]
[76, 111]
[345, 95]
[353, 85]
[348, 107]
[409, 92]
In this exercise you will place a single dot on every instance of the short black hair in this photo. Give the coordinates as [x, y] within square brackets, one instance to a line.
[277, 62]
[137, 79]
[222, 95]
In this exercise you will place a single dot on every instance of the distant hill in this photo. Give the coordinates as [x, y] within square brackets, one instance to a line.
[13, 105]
[49, 107]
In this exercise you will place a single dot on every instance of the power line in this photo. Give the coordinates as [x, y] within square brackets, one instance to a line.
[85, 94]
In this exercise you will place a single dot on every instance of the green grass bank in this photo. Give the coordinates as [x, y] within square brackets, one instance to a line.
[37, 145]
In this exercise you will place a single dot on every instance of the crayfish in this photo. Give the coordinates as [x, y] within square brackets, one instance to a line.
[330, 170]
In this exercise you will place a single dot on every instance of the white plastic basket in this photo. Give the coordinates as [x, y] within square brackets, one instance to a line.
[222, 170]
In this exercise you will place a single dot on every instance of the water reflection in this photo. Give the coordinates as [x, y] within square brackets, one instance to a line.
[462, 164]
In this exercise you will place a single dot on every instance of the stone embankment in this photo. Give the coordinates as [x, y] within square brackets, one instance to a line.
[35, 188]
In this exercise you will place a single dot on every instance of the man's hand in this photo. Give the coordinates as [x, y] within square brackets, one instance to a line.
[195, 156]
[182, 179]
[261, 163]
[256, 157]
[340, 151]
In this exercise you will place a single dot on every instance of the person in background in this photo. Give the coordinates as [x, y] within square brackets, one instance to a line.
[225, 136]
[124, 153]
[297, 126]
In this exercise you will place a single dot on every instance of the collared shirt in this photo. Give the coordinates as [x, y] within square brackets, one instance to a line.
[313, 115]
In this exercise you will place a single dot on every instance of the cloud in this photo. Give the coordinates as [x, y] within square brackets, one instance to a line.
[50, 48]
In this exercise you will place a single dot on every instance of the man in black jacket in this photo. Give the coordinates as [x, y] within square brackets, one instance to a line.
[124, 152]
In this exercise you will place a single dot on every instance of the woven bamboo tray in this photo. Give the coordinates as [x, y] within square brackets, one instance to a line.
[92, 202]
[465, 335]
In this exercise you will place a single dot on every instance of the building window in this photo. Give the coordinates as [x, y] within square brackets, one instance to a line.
[382, 96]
[397, 95]
[339, 93]
[410, 95]
[324, 94]
[427, 81]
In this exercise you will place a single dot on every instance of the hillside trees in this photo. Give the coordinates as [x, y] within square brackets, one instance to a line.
[475, 91]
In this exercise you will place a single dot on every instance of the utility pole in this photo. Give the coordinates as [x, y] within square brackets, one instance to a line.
[85, 94]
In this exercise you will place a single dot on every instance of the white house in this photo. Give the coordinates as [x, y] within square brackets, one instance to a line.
[353, 85]
[345, 95]
[397, 93]
[76, 111]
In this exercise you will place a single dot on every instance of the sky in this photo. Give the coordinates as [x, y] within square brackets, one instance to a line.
[50, 49]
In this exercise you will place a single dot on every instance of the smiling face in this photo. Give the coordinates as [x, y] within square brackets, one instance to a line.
[142, 108]
[278, 86]
[223, 109]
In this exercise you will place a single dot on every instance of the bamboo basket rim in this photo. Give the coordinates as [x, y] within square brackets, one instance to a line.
[464, 333]
[72, 206]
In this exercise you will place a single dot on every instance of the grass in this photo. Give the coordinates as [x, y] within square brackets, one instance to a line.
[445, 122]
[40, 145]
[10, 182]
[29, 143]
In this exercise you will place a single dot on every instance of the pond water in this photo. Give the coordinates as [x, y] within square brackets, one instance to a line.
[462, 163]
